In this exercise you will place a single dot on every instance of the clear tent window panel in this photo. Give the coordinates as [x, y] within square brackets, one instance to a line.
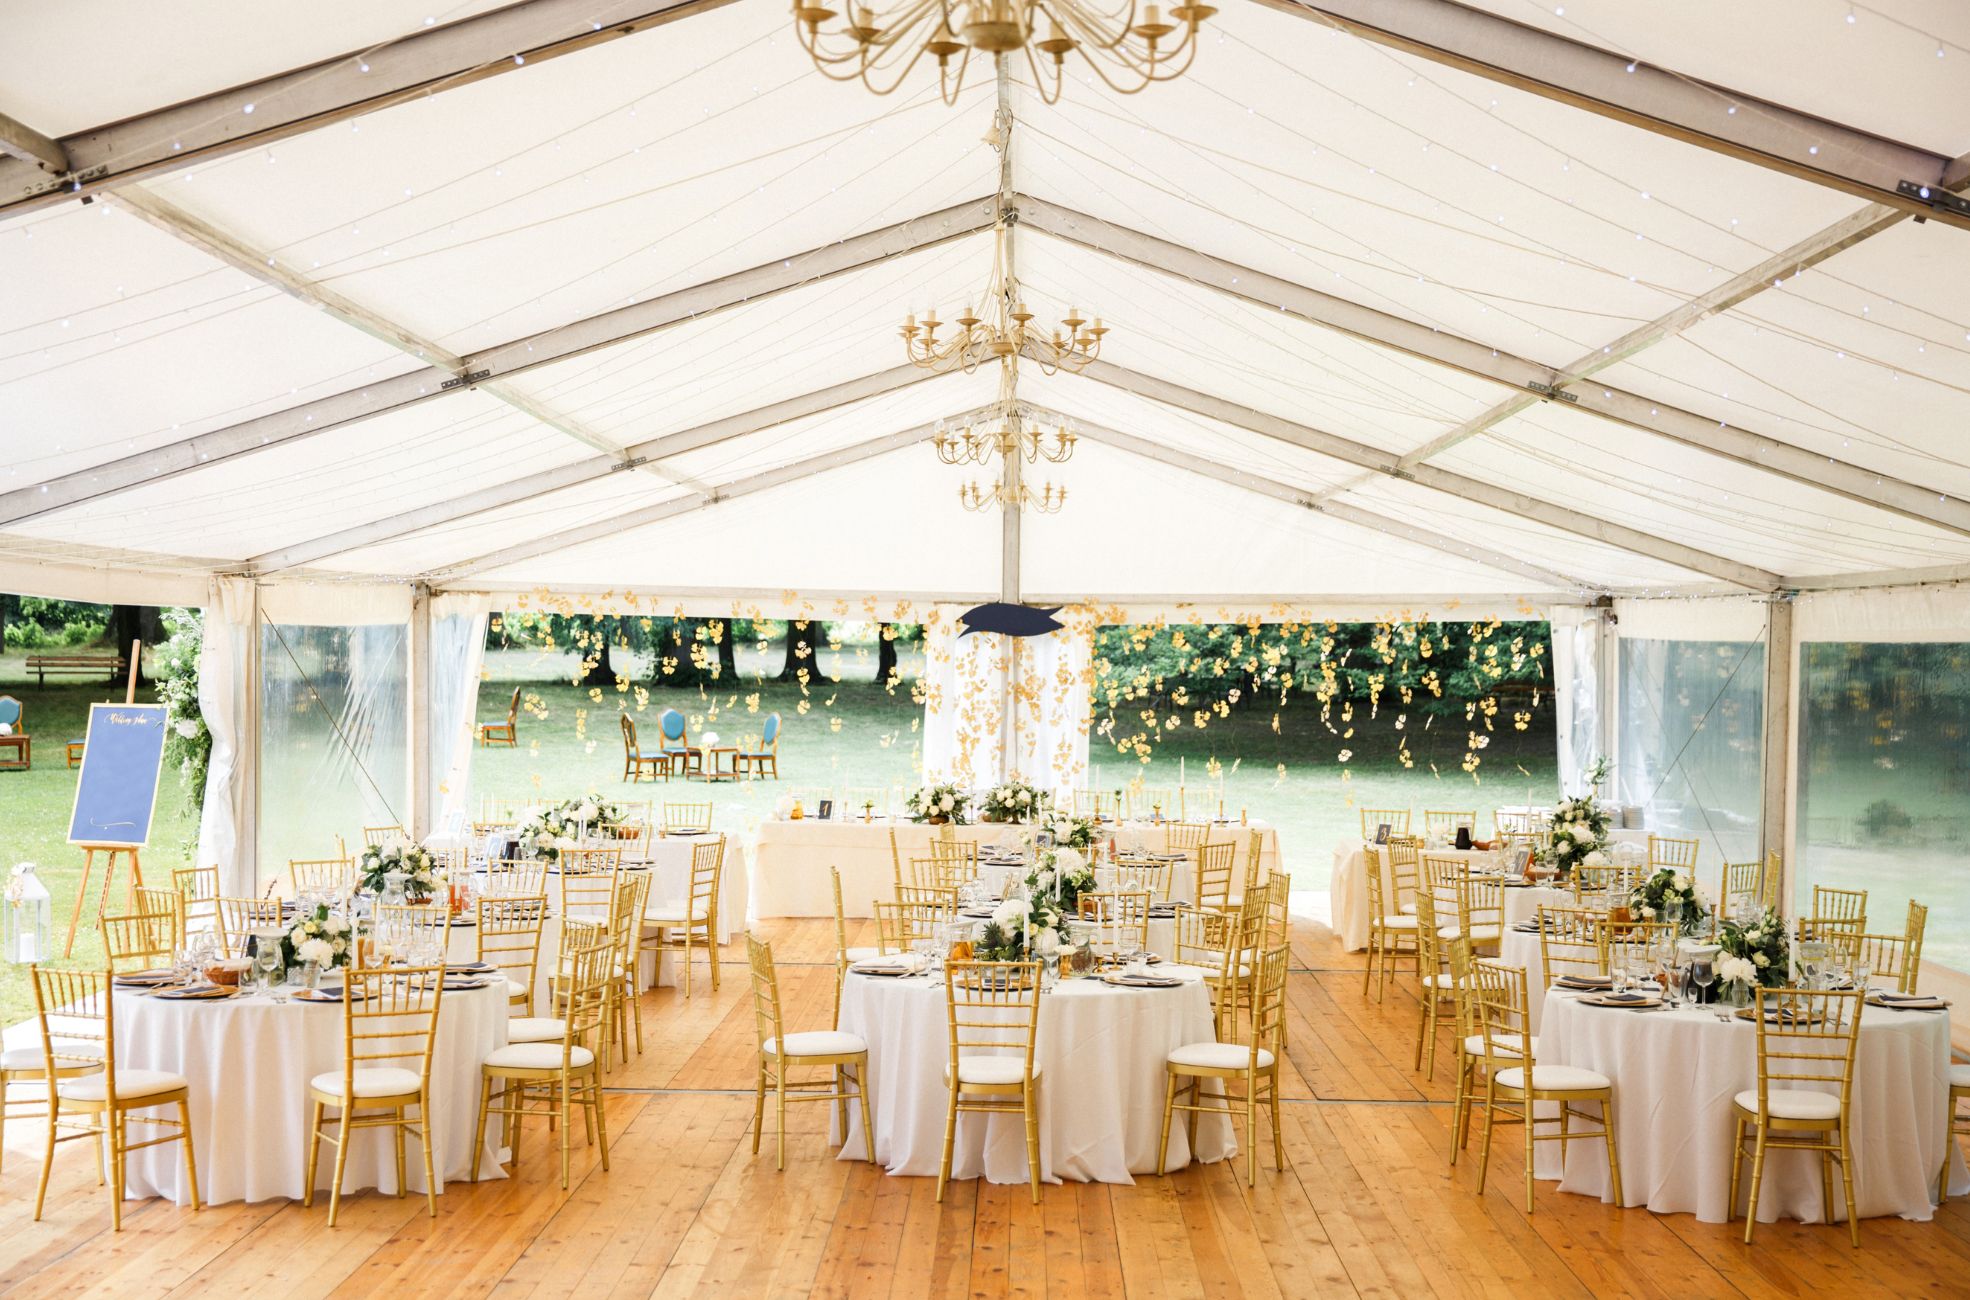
[1884, 783]
[334, 735]
[1691, 738]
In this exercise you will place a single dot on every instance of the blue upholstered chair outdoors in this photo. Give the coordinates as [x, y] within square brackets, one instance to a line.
[767, 755]
[675, 745]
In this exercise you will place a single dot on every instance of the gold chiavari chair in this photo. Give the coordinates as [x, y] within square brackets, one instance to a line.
[139, 940]
[1840, 908]
[859, 799]
[1223, 944]
[895, 859]
[199, 887]
[1512, 1091]
[1146, 802]
[1211, 873]
[1251, 869]
[1405, 859]
[1254, 1063]
[1391, 934]
[626, 919]
[481, 829]
[1634, 944]
[687, 816]
[1185, 837]
[1740, 880]
[1278, 911]
[240, 917]
[94, 1098]
[1480, 903]
[947, 847]
[170, 902]
[1150, 877]
[384, 836]
[994, 1009]
[1372, 819]
[1666, 852]
[1440, 824]
[691, 922]
[389, 1028]
[1605, 886]
[416, 924]
[845, 956]
[1896, 957]
[320, 873]
[942, 873]
[555, 1076]
[1436, 983]
[1517, 821]
[591, 858]
[1093, 803]
[516, 878]
[901, 924]
[28, 1066]
[844, 1056]
[1572, 941]
[508, 940]
[588, 887]
[1471, 1059]
[1125, 915]
[1806, 1042]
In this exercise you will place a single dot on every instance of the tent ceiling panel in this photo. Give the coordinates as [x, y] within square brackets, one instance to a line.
[760, 352]
[1673, 490]
[121, 339]
[864, 526]
[1243, 352]
[293, 491]
[1610, 568]
[110, 65]
[1197, 434]
[924, 403]
[635, 168]
[459, 540]
[1344, 175]
[1120, 539]
[1779, 50]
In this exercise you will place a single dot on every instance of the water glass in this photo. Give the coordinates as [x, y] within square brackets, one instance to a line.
[1705, 974]
[1679, 983]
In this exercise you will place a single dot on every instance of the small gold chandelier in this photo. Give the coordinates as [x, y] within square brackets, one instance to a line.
[971, 445]
[1127, 45]
[1018, 496]
[1009, 334]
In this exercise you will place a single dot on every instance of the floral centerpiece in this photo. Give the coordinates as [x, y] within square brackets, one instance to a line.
[938, 803]
[546, 831]
[1015, 801]
[1754, 952]
[419, 867]
[1035, 927]
[1667, 886]
[1069, 830]
[323, 937]
[1580, 825]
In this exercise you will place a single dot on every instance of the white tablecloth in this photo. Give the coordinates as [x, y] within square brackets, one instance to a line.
[249, 1060]
[1675, 1073]
[1100, 1051]
[1350, 883]
[789, 860]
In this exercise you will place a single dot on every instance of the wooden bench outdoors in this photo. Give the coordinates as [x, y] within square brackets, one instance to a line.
[111, 666]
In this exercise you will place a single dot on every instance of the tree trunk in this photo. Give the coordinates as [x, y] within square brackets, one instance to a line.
[804, 637]
[885, 653]
[728, 663]
[129, 623]
[601, 672]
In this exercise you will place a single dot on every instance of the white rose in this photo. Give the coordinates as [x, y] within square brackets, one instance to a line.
[1043, 878]
[1025, 798]
[1069, 860]
[1008, 912]
[315, 950]
[947, 803]
[1048, 943]
[1648, 913]
[1596, 859]
[1761, 959]
[1680, 881]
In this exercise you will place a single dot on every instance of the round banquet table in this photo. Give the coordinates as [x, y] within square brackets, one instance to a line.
[1100, 1053]
[1350, 882]
[1675, 1074]
[248, 1060]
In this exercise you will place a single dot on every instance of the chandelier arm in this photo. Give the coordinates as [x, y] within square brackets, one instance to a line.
[1040, 78]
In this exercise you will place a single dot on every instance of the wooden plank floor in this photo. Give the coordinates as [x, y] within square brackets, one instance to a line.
[1367, 1207]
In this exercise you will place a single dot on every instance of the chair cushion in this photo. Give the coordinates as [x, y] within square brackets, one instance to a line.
[1555, 1078]
[863, 954]
[30, 1058]
[993, 1069]
[537, 1056]
[1440, 982]
[515, 989]
[1218, 1056]
[675, 914]
[1397, 922]
[535, 1029]
[1959, 1076]
[129, 1083]
[1793, 1103]
[1500, 1043]
[1407, 909]
[1479, 933]
[379, 1081]
[816, 1042]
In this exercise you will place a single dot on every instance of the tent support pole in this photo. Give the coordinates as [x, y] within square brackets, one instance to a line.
[246, 789]
[418, 683]
[1773, 824]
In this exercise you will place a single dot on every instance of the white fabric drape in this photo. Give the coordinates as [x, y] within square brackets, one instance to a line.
[457, 659]
[1578, 726]
[998, 706]
[223, 699]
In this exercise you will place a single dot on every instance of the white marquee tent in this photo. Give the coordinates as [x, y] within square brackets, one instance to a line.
[1653, 322]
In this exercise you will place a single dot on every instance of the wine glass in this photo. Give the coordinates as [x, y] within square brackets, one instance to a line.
[1704, 972]
[1617, 969]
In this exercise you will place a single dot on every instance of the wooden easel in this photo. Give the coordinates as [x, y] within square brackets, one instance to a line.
[110, 852]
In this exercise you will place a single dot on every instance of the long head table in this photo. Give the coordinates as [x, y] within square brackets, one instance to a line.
[788, 860]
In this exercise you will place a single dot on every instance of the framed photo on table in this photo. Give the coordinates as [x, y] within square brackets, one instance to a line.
[826, 810]
[1381, 832]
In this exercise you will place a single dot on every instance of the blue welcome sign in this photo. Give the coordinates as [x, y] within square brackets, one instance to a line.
[117, 791]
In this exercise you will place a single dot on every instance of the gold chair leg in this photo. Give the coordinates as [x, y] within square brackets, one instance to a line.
[868, 1122]
[1031, 1098]
[1737, 1166]
[758, 1105]
[950, 1141]
[780, 1115]
[341, 1162]
[1278, 1138]
[1251, 1130]
[1169, 1109]
[117, 1137]
[1757, 1181]
[841, 1103]
[601, 1123]
[1613, 1151]
[424, 1140]
[1484, 1150]
[567, 1128]
[191, 1157]
[48, 1159]
[397, 1140]
[1530, 1137]
[478, 1136]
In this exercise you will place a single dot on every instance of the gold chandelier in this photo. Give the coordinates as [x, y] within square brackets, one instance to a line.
[1017, 496]
[1127, 45]
[1008, 335]
[1011, 440]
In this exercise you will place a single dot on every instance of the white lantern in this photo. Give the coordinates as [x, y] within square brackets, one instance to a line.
[29, 914]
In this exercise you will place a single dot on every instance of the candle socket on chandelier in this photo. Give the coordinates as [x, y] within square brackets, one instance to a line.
[969, 446]
[1047, 501]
